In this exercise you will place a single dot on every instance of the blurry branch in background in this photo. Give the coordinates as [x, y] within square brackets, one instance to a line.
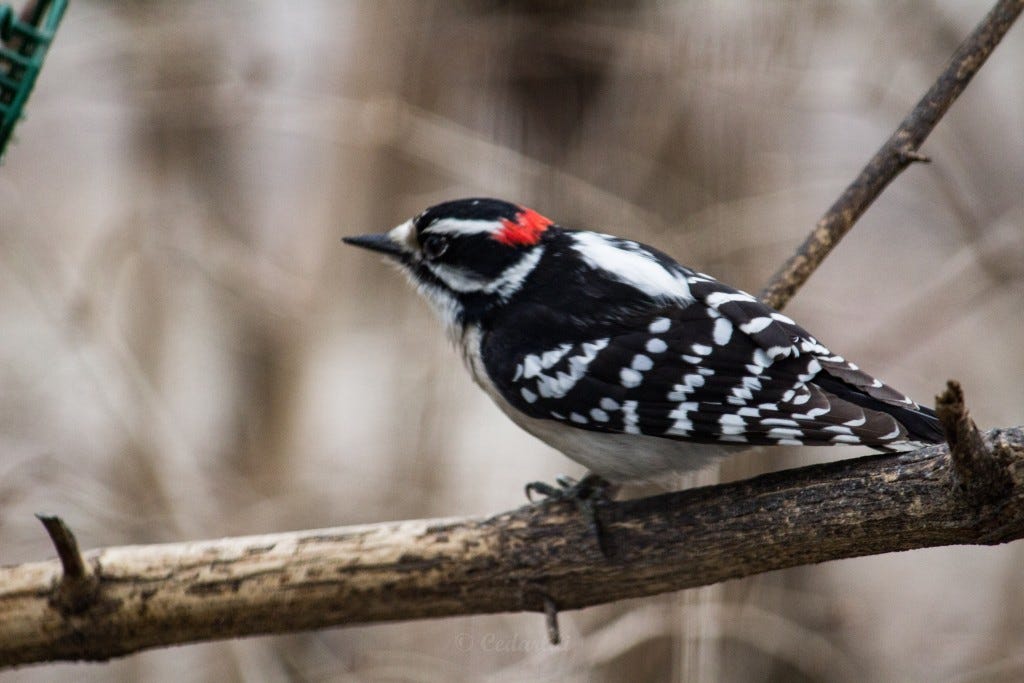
[898, 152]
[536, 558]
[115, 601]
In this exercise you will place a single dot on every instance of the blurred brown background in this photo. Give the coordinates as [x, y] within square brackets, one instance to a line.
[187, 351]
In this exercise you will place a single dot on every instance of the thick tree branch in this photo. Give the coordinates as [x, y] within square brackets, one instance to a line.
[898, 152]
[532, 558]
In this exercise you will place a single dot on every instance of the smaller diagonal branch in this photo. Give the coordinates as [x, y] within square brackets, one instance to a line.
[898, 152]
[78, 585]
[980, 474]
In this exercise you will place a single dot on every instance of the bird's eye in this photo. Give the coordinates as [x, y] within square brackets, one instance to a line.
[434, 246]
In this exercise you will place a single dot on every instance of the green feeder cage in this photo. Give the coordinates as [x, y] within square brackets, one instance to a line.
[24, 41]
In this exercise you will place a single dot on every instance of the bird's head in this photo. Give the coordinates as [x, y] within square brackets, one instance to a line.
[466, 256]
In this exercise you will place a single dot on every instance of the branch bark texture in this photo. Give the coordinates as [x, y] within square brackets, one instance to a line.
[898, 152]
[158, 595]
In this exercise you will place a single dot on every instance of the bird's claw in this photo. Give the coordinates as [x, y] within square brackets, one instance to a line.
[588, 494]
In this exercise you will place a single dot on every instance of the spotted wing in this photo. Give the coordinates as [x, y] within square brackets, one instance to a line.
[723, 368]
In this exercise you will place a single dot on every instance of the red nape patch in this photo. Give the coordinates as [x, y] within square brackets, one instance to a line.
[525, 230]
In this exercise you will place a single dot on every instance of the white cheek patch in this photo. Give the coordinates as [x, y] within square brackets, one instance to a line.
[505, 285]
[457, 279]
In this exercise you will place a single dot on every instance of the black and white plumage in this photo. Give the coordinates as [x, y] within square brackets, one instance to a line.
[625, 360]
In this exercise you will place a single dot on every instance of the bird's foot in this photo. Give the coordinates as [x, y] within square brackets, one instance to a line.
[588, 494]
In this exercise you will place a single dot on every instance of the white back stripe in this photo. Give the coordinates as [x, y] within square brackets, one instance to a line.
[638, 269]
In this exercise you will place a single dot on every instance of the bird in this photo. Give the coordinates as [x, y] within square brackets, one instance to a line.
[626, 361]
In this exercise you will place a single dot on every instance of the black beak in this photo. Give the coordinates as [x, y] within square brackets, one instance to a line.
[381, 243]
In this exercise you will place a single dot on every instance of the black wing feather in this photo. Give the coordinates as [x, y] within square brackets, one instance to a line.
[723, 367]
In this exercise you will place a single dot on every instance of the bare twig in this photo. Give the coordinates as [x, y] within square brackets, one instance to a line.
[157, 595]
[76, 589]
[551, 619]
[898, 152]
[981, 473]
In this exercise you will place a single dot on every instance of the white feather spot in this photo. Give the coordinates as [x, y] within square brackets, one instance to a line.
[659, 325]
[681, 391]
[609, 403]
[716, 299]
[531, 366]
[813, 413]
[742, 393]
[756, 325]
[683, 424]
[590, 349]
[891, 435]
[732, 424]
[642, 363]
[598, 415]
[694, 380]
[723, 331]
[701, 349]
[528, 395]
[550, 358]
[838, 429]
[547, 386]
[577, 418]
[783, 318]
[629, 418]
[565, 383]
[630, 378]
[655, 345]
[782, 422]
